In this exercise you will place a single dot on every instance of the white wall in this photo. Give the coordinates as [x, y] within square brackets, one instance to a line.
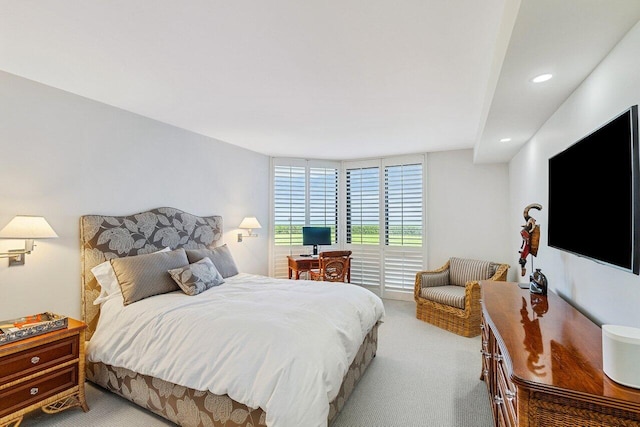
[467, 210]
[63, 156]
[605, 294]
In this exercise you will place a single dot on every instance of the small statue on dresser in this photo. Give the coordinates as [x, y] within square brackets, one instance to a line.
[530, 237]
[538, 283]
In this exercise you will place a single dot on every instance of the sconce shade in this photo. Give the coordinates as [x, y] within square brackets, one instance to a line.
[28, 227]
[250, 222]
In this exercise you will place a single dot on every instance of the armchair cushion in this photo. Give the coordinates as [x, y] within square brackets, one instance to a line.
[462, 270]
[440, 278]
[448, 295]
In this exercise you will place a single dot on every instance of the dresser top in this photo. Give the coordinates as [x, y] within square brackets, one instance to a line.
[551, 346]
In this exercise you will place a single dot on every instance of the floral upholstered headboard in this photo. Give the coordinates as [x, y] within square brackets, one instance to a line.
[105, 237]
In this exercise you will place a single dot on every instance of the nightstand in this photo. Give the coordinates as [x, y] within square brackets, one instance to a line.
[45, 371]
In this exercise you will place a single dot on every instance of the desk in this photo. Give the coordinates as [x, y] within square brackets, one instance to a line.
[301, 264]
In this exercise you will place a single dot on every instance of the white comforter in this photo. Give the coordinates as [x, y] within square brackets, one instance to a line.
[281, 345]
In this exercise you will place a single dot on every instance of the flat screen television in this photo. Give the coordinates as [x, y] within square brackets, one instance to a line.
[316, 236]
[594, 195]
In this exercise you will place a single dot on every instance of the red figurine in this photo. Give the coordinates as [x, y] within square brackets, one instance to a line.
[530, 237]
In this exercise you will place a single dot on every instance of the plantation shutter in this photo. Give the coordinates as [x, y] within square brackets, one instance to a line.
[363, 224]
[305, 193]
[289, 213]
[323, 199]
[378, 203]
[403, 254]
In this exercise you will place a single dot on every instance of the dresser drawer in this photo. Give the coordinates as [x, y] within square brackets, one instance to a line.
[29, 392]
[30, 361]
[507, 393]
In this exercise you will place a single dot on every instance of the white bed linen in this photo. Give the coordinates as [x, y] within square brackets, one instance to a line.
[281, 345]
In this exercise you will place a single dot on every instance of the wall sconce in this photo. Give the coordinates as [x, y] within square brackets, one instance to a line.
[248, 223]
[28, 228]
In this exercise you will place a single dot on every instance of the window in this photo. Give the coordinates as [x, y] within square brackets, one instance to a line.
[363, 206]
[376, 210]
[403, 205]
[403, 255]
[323, 199]
[304, 193]
[384, 221]
[289, 194]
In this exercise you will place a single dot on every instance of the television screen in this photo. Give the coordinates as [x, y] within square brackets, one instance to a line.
[316, 235]
[593, 195]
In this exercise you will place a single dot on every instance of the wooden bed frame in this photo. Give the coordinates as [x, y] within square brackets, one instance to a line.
[105, 237]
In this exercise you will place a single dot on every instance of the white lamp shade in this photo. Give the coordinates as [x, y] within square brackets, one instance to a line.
[250, 222]
[28, 227]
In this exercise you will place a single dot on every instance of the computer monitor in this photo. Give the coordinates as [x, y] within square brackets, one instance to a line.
[316, 236]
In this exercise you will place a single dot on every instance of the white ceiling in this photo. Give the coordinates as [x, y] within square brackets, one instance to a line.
[322, 79]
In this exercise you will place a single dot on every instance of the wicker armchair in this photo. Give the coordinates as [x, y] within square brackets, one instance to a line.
[449, 297]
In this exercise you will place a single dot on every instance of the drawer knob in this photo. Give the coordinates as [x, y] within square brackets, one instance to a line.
[35, 360]
[34, 391]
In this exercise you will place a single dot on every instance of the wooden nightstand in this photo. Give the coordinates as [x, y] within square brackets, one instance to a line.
[45, 371]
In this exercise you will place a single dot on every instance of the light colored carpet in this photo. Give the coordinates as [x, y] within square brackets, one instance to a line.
[421, 376]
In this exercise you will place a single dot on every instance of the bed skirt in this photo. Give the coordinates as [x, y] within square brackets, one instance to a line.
[192, 408]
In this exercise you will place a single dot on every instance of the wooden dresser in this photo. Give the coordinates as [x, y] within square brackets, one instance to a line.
[542, 363]
[44, 371]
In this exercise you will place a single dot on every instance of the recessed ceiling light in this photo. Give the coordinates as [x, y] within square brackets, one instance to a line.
[505, 140]
[542, 78]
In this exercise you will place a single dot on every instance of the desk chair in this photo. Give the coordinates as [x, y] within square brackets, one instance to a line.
[334, 266]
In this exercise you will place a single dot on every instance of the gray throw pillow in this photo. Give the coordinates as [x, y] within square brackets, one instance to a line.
[142, 276]
[221, 257]
[197, 277]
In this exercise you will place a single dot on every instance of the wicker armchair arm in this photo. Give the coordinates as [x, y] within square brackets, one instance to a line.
[501, 273]
[418, 284]
[472, 296]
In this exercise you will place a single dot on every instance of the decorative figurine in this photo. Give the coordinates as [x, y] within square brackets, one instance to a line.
[530, 237]
[538, 283]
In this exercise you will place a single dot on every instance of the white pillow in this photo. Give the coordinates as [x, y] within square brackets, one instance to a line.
[108, 281]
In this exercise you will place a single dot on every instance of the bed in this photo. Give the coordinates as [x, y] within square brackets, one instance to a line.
[237, 373]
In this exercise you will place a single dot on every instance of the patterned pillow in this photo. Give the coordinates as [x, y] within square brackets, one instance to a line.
[435, 279]
[463, 270]
[197, 277]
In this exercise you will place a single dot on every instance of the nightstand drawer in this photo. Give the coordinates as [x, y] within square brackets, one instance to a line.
[29, 392]
[30, 361]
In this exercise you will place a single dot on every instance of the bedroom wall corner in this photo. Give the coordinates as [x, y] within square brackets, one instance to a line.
[64, 156]
[467, 209]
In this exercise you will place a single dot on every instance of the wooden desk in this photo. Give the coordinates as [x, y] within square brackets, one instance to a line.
[542, 363]
[301, 264]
